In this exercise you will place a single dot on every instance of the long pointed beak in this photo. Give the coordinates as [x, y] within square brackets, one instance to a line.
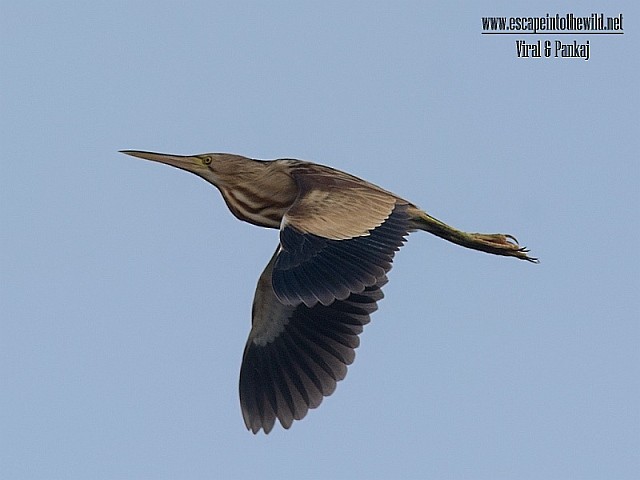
[184, 162]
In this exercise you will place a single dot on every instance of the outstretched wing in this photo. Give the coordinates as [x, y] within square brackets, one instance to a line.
[295, 354]
[338, 238]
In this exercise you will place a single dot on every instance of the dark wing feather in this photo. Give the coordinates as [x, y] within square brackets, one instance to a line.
[312, 269]
[295, 355]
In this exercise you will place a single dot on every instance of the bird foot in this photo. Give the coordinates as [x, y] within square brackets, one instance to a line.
[501, 244]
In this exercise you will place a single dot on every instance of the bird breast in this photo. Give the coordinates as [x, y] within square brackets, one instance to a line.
[262, 200]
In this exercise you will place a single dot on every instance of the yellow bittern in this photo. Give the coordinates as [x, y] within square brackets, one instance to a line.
[338, 236]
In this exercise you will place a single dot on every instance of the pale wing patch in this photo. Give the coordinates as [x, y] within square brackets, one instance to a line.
[269, 317]
[340, 210]
[269, 322]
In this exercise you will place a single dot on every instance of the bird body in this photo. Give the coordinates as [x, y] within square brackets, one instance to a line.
[338, 236]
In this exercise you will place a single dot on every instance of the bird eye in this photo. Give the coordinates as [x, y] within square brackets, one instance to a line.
[207, 160]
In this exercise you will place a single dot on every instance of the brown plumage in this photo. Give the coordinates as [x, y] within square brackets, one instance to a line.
[338, 236]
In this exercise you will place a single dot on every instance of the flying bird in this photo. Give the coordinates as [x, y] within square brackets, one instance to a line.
[338, 236]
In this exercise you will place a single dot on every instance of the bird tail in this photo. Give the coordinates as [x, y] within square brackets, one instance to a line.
[494, 243]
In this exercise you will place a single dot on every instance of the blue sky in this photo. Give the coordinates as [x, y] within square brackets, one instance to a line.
[126, 286]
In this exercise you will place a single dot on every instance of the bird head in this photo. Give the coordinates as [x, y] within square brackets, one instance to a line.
[220, 169]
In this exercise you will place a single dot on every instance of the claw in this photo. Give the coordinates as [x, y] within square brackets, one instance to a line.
[502, 244]
[511, 237]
